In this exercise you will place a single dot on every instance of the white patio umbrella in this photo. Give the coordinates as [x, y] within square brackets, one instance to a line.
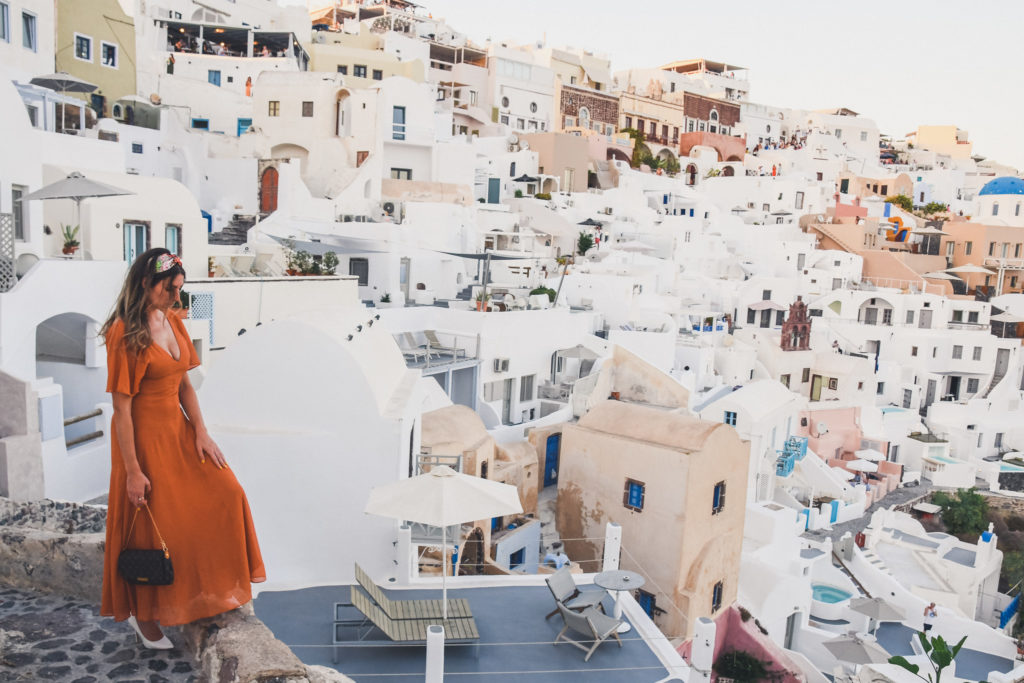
[76, 187]
[877, 609]
[939, 275]
[870, 454]
[856, 650]
[63, 82]
[969, 270]
[860, 465]
[443, 497]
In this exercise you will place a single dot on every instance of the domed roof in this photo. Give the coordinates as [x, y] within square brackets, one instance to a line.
[1004, 185]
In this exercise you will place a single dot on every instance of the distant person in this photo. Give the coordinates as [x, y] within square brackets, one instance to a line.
[265, 51]
[929, 616]
[248, 86]
[775, 170]
[163, 459]
[835, 346]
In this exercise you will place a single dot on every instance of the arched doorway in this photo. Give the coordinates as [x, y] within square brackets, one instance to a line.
[728, 171]
[691, 174]
[268, 190]
[473, 554]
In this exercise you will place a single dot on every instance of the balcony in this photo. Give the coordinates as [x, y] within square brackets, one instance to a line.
[430, 349]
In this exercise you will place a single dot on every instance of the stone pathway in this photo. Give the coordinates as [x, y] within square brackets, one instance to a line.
[47, 637]
[854, 526]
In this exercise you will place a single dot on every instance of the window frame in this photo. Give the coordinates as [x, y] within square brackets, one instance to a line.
[526, 387]
[74, 46]
[5, 22]
[30, 19]
[273, 108]
[194, 120]
[18, 214]
[359, 260]
[729, 418]
[343, 69]
[359, 70]
[307, 106]
[718, 498]
[377, 74]
[117, 54]
[398, 128]
[717, 591]
[176, 228]
[630, 487]
[401, 173]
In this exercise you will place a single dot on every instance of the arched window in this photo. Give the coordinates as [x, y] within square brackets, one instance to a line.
[1016, 212]
[714, 115]
[584, 117]
[504, 102]
[995, 208]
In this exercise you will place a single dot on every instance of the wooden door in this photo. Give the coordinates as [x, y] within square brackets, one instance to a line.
[268, 191]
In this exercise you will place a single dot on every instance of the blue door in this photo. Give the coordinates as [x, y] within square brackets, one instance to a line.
[213, 77]
[244, 125]
[551, 459]
[493, 190]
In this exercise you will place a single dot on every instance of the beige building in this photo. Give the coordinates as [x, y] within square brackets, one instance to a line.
[866, 186]
[676, 485]
[96, 42]
[948, 140]
[565, 156]
[361, 59]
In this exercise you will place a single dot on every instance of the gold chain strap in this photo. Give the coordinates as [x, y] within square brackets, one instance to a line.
[167, 553]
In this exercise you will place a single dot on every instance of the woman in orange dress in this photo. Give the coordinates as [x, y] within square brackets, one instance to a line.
[163, 457]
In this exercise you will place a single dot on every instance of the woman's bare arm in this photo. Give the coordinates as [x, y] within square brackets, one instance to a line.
[204, 443]
[138, 485]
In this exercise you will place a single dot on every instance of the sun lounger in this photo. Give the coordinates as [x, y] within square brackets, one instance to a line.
[458, 608]
[434, 344]
[591, 624]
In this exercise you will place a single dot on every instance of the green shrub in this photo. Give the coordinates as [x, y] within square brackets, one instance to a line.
[543, 195]
[584, 243]
[519, 194]
[902, 201]
[741, 666]
[544, 290]
[965, 512]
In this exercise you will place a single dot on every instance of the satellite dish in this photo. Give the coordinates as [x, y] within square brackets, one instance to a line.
[822, 428]
[513, 139]
[524, 145]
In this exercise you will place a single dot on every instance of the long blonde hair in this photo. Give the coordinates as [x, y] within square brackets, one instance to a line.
[131, 304]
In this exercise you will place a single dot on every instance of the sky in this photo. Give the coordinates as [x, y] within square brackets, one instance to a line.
[902, 63]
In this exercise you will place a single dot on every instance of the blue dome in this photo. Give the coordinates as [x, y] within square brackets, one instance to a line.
[1004, 185]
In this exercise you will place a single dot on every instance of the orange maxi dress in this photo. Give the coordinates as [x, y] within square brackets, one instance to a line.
[202, 511]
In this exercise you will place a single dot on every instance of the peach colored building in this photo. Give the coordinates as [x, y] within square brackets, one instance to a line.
[676, 484]
[948, 140]
[999, 248]
[865, 186]
[567, 157]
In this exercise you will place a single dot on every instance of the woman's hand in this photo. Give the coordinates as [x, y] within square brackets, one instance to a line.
[206, 448]
[138, 488]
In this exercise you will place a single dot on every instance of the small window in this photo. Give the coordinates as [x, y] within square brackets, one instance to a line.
[378, 75]
[401, 174]
[504, 102]
[108, 55]
[526, 387]
[881, 388]
[863, 136]
[784, 379]
[913, 350]
[766, 294]
[833, 383]
[359, 71]
[136, 148]
[213, 77]
[172, 239]
[504, 119]
[910, 317]
[972, 316]
[343, 69]
[718, 498]
[995, 208]
[633, 495]
[958, 352]
[28, 31]
[18, 210]
[307, 109]
[533, 107]
[730, 418]
[398, 123]
[201, 124]
[972, 385]
[716, 597]
[273, 108]
[5, 22]
[958, 316]
[968, 247]
[977, 353]
[806, 375]
[83, 48]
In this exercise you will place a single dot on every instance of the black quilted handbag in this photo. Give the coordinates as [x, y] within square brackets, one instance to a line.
[145, 567]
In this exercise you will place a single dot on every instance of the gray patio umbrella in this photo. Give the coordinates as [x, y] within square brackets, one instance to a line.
[525, 179]
[76, 187]
[443, 497]
[591, 222]
[853, 649]
[876, 609]
[63, 82]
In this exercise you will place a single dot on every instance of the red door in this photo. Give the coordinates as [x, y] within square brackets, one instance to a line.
[268, 191]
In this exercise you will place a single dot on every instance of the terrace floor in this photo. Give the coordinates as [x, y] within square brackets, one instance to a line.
[971, 665]
[515, 640]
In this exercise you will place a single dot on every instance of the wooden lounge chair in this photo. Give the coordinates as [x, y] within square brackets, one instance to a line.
[565, 592]
[591, 624]
[405, 631]
[409, 348]
[434, 344]
[458, 608]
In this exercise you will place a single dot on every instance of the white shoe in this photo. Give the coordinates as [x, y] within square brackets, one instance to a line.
[163, 644]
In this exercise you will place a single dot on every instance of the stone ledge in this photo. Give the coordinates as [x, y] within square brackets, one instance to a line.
[55, 548]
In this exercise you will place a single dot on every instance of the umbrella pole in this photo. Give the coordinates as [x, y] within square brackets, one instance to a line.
[444, 573]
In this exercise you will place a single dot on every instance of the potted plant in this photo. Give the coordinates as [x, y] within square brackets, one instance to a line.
[330, 263]
[385, 300]
[481, 300]
[300, 262]
[70, 233]
[209, 265]
[181, 308]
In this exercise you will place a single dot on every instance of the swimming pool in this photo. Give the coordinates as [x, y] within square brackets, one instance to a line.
[944, 458]
[823, 592]
[892, 409]
[1007, 467]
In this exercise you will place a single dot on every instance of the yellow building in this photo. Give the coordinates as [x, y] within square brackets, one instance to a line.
[96, 42]
[947, 140]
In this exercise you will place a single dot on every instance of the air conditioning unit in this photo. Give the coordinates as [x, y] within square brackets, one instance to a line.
[501, 364]
[607, 210]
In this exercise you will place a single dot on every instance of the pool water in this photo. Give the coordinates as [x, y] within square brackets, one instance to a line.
[1006, 467]
[945, 459]
[893, 409]
[823, 592]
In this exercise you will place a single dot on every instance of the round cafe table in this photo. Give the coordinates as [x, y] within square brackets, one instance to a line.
[619, 580]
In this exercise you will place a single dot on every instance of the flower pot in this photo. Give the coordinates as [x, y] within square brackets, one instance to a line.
[211, 273]
[69, 249]
[292, 271]
[614, 396]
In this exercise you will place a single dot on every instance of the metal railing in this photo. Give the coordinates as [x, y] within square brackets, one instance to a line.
[84, 438]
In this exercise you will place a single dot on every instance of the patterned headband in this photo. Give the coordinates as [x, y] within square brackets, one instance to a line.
[165, 262]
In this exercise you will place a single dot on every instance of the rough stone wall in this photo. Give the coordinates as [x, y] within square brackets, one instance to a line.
[603, 108]
[699, 107]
